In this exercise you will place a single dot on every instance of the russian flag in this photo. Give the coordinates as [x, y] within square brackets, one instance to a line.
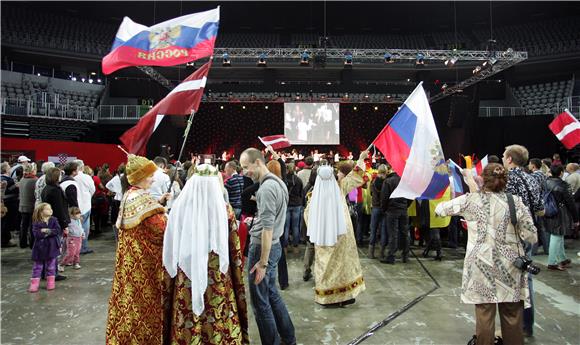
[411, 145]
[173, 42]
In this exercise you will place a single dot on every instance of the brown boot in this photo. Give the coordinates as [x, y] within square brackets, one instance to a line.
[371, 253]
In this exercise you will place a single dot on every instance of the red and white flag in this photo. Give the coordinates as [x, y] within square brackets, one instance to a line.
[479, 166]
[276, 141]
[183, 99]
[567, 129]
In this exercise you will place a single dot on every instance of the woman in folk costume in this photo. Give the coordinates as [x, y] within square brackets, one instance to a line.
[337, 271]
[140, 302]
[202, 251]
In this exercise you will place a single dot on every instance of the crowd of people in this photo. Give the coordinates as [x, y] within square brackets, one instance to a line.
[166, 215]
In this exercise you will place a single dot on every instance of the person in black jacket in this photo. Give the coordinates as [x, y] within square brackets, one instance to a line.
[396, 217]
[377, 214]
[54, 195]
[558, 225]
[295, 202]
[69, 184]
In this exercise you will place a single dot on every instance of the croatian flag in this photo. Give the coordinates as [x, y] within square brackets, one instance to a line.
[277, 141]
[182, 100]
[567, 129]
[173, 42]
[411, 145]
[456, 177]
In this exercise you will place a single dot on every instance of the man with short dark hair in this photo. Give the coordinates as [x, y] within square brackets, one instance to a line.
[234, 185]
[304, 174]
[69, 185]
[274, 323]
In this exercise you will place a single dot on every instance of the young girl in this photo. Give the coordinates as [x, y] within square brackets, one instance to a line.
[46, 248]
[74, 239]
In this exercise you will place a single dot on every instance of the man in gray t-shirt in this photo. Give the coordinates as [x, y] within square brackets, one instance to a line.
[274, 323]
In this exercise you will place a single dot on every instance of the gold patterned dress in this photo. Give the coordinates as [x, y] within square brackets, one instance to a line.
[225, 318]
[337, 271]
[140, 301]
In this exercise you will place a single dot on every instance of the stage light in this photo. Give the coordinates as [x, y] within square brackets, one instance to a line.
[388, 58]
[262, 60]
[476, 70]
[328, 83]
[420, 59]
[366, 96]
[304, 58]
[38, 74]
[190, 64]
[93, 73]
[408, 80]
[90, 81]
[74, 78]
[450, 62]
[489, 63]
[226, 60]
[355, 108]
[443, 87]
[83, 80]
[221, 107]
[376, 108]
[266, 107]
[348, 58]
[99, 81]
[244, 107]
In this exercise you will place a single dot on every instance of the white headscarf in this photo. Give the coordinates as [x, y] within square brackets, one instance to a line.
[197, 225]
[326, 218]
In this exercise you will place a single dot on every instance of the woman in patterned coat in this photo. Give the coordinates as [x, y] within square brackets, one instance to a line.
[140, 302]
[490, 277]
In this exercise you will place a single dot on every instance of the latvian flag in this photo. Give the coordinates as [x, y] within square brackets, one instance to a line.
[173, 42]
[276, 141]
[567, 129]
[182, 100]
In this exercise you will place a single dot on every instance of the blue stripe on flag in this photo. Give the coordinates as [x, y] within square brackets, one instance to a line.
[437, 185]
[404, 123]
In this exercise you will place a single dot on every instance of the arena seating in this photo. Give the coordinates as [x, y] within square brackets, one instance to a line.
[302, 96]
[247, 40]
[40, 128]
[536, 98]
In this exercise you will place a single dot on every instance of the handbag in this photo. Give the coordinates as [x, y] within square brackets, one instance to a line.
[351, 208]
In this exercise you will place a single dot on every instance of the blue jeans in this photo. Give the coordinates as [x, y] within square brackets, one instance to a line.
[377, 220]
[543, 236]
[86, 229]
[292, 223]
[270, 312]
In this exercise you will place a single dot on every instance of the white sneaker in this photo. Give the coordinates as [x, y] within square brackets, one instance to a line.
[60, 268]
[77, 266]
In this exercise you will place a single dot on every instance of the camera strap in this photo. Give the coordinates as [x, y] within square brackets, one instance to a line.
[514, 218]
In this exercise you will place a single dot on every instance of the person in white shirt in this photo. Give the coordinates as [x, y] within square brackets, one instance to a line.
[85, 191]
[161, 181]
[115, 186]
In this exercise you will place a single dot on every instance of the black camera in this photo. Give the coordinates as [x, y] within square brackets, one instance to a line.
[524, 263]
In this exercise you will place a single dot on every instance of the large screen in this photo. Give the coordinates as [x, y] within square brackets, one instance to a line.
[312, 123]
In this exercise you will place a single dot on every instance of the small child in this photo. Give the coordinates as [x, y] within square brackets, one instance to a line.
[45, 229]
[74, 239]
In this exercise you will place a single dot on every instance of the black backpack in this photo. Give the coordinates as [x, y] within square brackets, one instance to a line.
[551, 208]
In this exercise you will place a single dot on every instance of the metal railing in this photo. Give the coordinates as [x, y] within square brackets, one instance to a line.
[122, 112]
[26, 107]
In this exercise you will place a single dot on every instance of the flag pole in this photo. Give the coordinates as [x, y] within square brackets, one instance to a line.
[185, 135]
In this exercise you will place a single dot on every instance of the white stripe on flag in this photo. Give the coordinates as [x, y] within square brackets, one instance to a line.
[275, 141]
[569, 128]
[190, 85]
[158, 120]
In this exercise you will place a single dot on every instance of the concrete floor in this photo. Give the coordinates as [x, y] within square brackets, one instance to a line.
[75, 313]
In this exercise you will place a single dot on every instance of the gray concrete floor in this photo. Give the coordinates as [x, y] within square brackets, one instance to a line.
[75, 312]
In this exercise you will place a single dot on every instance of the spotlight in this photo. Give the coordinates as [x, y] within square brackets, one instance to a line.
[366, 96]
[443, 87]
[408, 80]
[90, 81]
[376, 108]
[266, 107]
[355, 108]
[99, 81]
[93, 73]
[450, 62]
[83, 80]
[348, 58]
[221, 107]
[38, 74]
[476, 70]
[243, 107]
[262, 60]
[73, 78]
[190, 64]
[304, 58]
[420, 59]
[388, 58]
[489, 63]
[226, 60]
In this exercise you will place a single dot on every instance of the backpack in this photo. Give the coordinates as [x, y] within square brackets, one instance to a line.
[551, 208]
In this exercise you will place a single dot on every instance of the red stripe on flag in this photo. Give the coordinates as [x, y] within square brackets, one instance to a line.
[393, 148]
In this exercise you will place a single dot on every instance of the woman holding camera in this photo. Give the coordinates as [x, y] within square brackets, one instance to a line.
[490, 274]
